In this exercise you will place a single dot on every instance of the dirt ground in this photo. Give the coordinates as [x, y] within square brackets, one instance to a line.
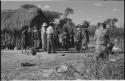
[42, 65]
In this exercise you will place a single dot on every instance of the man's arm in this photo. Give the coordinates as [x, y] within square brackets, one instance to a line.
[95, 36]
[84, 35]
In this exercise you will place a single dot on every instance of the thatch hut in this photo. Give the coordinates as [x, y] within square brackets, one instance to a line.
[14, 21]
[22, 18]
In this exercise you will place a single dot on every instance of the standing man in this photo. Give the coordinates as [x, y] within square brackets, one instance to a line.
[36, 38]
[65, 39]
[72, 38]
[29, 37]
[56, 38]
[85, 40]
[24, 39]
[102, 38]
[50, 39]
[43, 37]
[79, 38]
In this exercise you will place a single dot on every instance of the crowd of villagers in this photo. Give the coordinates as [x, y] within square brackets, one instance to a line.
[48, 38]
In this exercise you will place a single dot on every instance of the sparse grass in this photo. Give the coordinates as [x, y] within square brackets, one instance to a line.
[80, 66]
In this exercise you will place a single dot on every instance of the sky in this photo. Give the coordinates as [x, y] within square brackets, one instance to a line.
[91, 10]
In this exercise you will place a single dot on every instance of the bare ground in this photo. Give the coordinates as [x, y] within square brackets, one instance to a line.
[42, 66]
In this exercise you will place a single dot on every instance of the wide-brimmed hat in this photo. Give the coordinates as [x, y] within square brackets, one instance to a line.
[44, 24]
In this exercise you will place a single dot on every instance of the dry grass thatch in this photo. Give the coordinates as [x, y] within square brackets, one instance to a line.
[14, 21]
[22, 18]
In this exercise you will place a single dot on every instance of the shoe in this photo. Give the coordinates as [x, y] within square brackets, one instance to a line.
[49, 52]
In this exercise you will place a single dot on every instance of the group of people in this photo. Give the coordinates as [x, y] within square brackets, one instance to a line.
[32, 38]
[49, 36]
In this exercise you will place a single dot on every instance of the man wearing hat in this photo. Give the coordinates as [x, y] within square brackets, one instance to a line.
[50, 39]
[43, 37]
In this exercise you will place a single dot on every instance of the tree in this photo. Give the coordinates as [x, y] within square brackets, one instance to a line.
[52, 15]
[66, 23]
[67, 12]
[85, 23]
[111, 22]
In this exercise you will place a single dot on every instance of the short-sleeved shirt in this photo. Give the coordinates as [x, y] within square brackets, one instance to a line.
[101, 36]
[50, 30]
[43, 31]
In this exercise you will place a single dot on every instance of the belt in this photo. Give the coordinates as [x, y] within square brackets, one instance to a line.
[49, 34]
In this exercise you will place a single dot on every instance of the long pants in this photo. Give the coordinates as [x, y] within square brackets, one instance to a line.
[56, 42]
[50, 43]
[101, 51]
[36, 44]
[44, 42]
[78, 45]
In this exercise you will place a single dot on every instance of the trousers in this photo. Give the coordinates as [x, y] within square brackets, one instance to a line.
[50, 43]
[44, 42]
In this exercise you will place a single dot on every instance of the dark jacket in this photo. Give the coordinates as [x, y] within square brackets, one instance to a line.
[85, 35]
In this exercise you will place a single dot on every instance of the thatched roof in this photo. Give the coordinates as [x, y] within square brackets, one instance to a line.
[21, 18]
[16, 20]
[5, 15]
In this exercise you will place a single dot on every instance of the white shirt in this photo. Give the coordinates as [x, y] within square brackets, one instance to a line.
[50, 30]
[43, 30]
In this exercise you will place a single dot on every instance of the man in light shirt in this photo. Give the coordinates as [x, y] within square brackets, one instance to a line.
[43, 37]
[50, 39]
[102, 39]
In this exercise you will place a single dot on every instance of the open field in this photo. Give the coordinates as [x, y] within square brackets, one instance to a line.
[43, 66]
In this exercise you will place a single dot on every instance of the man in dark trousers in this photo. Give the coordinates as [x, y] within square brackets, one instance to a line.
[79, 37]
[36, 38]
[30, 41]
[50, 39]
[56, 38]
[85, 32]
[72, 39]
[24, 39]
[65, 39]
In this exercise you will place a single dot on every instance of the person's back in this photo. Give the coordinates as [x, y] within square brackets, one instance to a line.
[102, 39]
[101, 36]
[50, 40]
